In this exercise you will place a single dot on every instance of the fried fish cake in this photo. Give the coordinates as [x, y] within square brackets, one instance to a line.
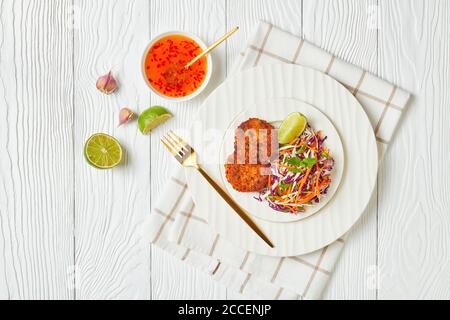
[253, 142]
[247, 177]
[247, 169]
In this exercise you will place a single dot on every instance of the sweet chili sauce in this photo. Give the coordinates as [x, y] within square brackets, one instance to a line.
[164, 66]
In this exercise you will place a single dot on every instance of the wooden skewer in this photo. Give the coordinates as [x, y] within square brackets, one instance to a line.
[211, 47]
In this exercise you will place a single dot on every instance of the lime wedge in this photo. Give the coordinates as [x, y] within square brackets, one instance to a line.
[151, 118]
[103, 151]
[292, 127]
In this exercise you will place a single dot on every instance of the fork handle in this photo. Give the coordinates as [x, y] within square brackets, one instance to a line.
[244, 216]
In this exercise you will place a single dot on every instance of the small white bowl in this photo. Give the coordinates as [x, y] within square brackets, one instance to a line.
[208, 71]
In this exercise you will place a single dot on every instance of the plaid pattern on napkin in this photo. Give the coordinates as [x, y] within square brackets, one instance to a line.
[175, 226]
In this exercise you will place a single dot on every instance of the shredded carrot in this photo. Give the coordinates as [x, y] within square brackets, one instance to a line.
[308, 198]
[317, 179]
[302, 182]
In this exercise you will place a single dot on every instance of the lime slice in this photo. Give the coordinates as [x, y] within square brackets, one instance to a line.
[103, 151]
[292, 127]
[152, 117]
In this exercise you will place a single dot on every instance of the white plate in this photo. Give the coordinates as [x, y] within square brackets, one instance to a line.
[274, 111]
[354, 129]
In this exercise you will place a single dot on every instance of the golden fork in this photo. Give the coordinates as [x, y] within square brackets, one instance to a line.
[186, 155]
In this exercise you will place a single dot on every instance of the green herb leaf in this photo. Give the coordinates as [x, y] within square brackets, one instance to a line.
[284, 186]
[309, 162]
[294, 162]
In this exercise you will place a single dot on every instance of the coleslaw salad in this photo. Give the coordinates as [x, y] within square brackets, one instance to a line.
[301, 175]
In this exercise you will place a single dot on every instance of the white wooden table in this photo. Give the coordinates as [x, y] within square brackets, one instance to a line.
[68, 231]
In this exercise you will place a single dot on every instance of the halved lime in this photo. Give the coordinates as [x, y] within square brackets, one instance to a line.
[103, 151]
[292, 127]
[152, 117]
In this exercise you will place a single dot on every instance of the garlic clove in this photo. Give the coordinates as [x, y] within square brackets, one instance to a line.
[107, 84]
[125, 116]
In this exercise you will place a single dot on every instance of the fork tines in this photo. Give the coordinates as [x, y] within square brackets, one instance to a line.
[177, 146]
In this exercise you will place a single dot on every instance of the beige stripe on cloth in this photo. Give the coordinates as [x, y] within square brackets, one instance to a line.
[177, 227]
[261, 48]
[316, 267]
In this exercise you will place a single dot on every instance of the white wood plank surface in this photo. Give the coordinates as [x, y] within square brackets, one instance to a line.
[246, 14]
[110, 260]
[36, 162]
[414, 207]
[68, 231]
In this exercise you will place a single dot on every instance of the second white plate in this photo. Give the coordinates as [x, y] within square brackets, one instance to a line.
[274, 111]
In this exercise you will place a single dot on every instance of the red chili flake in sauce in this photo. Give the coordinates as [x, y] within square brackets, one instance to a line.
[164, 66]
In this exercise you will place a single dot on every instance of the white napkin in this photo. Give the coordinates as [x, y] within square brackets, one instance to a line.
[174, 225]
